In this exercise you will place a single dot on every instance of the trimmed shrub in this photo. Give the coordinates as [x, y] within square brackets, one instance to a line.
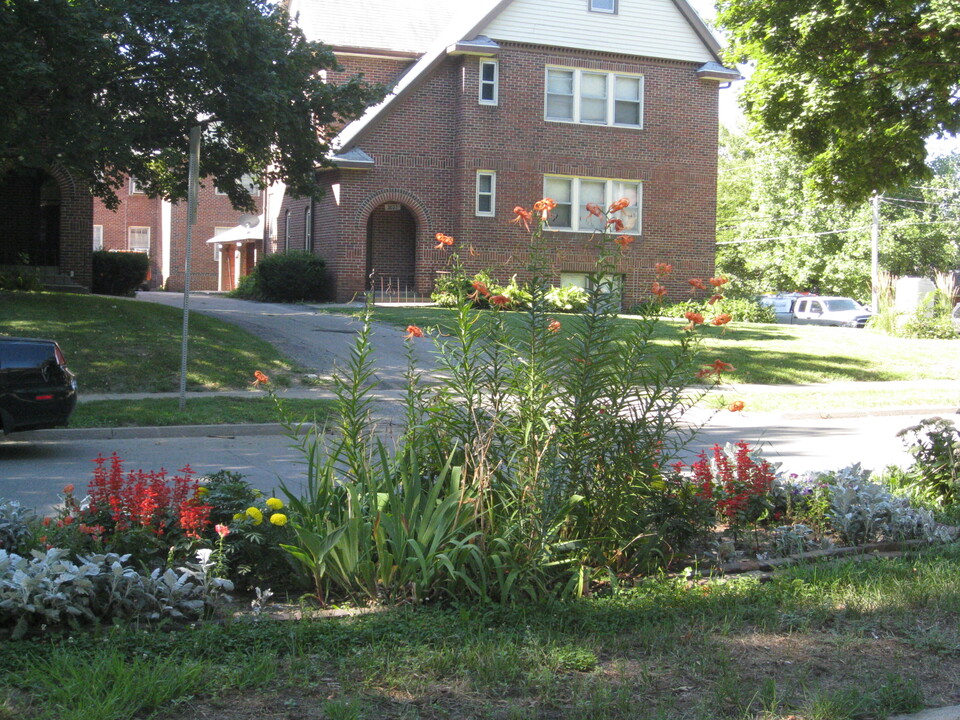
[287, 277]
[119, 273]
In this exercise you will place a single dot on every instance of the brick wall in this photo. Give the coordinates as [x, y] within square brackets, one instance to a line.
[138, 210]
[37, 204]
[429, 146]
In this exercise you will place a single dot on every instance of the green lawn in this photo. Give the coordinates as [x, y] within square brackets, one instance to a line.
[199, 411]
[121, 345]
[833, 641]
[772, 354]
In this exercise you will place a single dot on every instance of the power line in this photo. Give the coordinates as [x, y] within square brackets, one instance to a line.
[794, 237]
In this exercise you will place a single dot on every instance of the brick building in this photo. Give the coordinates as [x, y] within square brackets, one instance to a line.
[46, 216]
[159, 227]
[498, 103]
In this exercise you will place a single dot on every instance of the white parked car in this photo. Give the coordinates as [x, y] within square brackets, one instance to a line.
[799, 309]
[955, 317]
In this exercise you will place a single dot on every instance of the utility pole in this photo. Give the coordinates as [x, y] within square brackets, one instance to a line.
[875, 255]
[193, 188]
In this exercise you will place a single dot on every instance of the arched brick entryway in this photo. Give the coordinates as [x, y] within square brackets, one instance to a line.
[48, 223]
[395, 225]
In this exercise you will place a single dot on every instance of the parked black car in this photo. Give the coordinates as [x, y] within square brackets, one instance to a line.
[36, 388]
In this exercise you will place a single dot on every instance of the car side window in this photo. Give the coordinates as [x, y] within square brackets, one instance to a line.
[801, 306]
[816, 308]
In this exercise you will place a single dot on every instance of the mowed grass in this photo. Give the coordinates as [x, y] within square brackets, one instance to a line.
[160, 412]
[834, 641]
[813, 399]
[121, 345]
[768, 354]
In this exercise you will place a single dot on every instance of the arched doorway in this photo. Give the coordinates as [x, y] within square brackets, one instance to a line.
[30, 208]
[392, 251]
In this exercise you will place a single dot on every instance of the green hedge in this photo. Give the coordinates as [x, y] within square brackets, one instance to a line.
[119, 273]
[286, 277]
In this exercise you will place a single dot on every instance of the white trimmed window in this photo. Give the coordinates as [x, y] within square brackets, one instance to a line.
[98, 237]
[603, 6]
[489, 82]
[486, 193]
[308, 229]
[593, 98]
[573, 194]
[286, 230]
[135, 188]
[138, 239]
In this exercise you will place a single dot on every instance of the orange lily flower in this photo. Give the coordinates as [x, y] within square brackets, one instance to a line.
[736, 406]
[718, 281]
[616, 223]
[499, 301]
[594, 210]
[658, 289]
[623, 240]
[712, 300]
[259, 379]
[554, 326]
[443, 240]
[694, 317]
[524, 216]
[697, 283]
[619, 205]
[663, 268]
[413, 332]
[721, 319]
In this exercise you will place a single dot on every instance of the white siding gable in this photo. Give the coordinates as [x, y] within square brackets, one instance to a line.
[647, 28]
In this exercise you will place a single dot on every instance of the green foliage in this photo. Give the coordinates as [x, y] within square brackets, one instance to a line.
[119, 273]
[286, 277]
[23, 279]
[934, 476]
[776, 232]
[530, 472]
[842, 87]
[252, 556]
[739, 309]
[15, 524]
[119, 90]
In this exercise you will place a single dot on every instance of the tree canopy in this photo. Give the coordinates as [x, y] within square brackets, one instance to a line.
[854, 87]
[109, 88]
[776, 233]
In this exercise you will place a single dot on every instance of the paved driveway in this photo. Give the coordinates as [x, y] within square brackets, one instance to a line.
[315, 340]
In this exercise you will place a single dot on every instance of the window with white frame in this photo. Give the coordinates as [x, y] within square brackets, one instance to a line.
[573, 194]
[308, 229]
[135, 188]
[486, 193]
[489, 82]
[603, 6]
[138, 239]
[592, 97]
[286, 230]
[98, 237]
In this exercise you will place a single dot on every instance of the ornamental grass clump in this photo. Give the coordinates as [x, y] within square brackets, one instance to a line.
[534, 468]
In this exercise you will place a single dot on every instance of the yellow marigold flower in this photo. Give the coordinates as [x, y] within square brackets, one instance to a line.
[255, 515]
[278, 519]
[239, 516]
[274, 503]
[201, 491]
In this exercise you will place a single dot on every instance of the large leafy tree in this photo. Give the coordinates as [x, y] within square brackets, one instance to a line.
[112, 87]
[777, 233]
[854, 87]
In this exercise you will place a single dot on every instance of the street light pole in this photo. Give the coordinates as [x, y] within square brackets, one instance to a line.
[193, 188]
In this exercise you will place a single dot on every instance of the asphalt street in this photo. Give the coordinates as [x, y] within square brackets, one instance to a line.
[34, 467]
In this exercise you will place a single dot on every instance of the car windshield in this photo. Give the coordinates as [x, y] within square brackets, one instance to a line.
[841, 304]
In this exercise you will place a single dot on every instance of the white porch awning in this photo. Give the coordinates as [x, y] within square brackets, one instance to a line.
[239, 234]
